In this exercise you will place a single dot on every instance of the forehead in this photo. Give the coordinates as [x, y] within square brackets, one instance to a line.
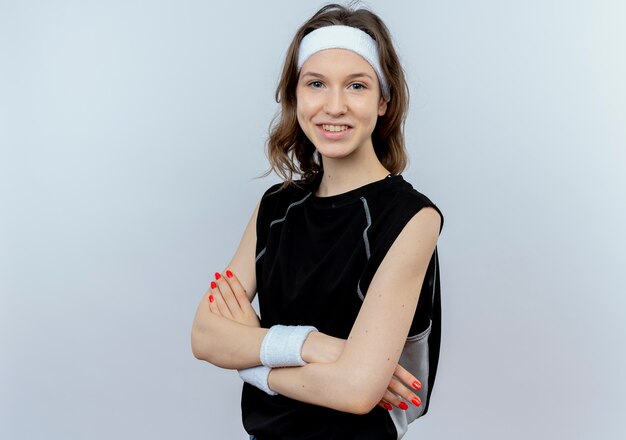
[337, 62]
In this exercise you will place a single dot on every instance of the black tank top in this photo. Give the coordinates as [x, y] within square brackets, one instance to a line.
[315, 259]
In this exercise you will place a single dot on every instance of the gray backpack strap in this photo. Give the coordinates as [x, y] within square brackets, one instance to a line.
[434, 343]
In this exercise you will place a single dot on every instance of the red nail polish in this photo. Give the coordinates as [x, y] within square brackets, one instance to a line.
[417, 385]
[403, 406]
[387, 406]
[229, 274]
[416, 402]
[213, 284]
[211, 299]
[217, 275]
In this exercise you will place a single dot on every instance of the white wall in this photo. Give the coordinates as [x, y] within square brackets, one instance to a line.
[130, 132]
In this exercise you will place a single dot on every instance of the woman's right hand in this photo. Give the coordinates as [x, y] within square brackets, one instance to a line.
[322, 348]
[227, 297]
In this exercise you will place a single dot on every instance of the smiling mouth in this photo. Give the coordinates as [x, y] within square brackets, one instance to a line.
[334, 128]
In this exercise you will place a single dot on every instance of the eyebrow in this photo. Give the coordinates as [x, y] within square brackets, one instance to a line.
[351, 76]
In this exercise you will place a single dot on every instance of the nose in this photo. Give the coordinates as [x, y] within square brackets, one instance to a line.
[335, 103]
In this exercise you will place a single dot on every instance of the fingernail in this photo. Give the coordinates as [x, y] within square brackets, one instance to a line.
[387, 406]
[229, 274]
[213, 284]
[417, 385]
[403, 406]
[217, 275]
[211, 299]
[416, 401]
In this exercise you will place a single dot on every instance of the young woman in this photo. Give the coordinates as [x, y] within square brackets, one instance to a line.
[343, 258]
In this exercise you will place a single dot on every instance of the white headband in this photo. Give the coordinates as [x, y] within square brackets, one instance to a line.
[344, 37]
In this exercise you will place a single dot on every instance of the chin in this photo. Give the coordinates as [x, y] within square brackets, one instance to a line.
[334, 154]
[333, 149]
[336, 149]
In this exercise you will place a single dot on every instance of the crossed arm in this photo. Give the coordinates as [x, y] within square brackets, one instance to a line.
[352, 375]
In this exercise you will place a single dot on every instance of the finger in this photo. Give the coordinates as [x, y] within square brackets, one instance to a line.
[407, 378]
[392, 399]
[228, 295]
[219, 301]
[238, 290]
[385, 405]
[211, 297]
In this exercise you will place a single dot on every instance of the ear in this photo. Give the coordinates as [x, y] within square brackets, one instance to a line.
[382, 106]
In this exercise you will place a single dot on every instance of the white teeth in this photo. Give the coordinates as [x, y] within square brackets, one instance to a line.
[334, 127]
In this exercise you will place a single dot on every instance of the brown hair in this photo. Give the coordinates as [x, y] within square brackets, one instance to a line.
[289, 151]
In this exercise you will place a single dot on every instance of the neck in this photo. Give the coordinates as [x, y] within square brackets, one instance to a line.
[345, 174]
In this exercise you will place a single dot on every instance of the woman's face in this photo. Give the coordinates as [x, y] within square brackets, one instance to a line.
[338, 102]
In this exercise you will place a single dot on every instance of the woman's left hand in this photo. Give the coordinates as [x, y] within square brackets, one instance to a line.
[401, 389]
[228, 298]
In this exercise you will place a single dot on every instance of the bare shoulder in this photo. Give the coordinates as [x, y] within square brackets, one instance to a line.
[424, 226]
[410, 253]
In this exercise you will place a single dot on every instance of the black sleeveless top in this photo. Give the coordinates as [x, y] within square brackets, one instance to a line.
[315, 259]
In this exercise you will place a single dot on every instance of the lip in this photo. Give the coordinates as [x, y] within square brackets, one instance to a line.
[334, 135]
[333, 123]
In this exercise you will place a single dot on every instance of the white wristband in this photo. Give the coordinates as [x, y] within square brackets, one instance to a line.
[282, 345]
[257, 376]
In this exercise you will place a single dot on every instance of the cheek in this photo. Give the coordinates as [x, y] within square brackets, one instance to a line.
[300, 116]
[304, 110]
[369, 115]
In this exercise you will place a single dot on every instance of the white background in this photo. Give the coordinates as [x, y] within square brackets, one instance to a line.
[130, 134]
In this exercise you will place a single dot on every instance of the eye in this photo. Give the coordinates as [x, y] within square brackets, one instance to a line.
[357, 86]
[315, 84]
